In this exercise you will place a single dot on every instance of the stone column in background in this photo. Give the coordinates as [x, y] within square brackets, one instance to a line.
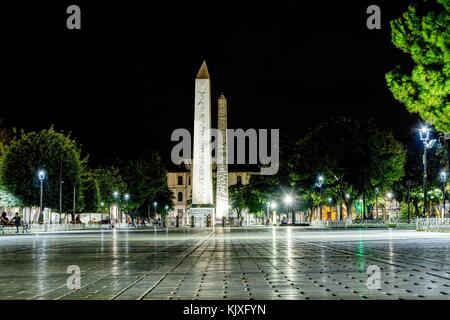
[222, 162]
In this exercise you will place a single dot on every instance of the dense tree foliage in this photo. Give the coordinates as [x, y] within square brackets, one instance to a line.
[43, 150]
[423, 32]
[91, 195]
[109, 180]
[354, 156]
[145, 179]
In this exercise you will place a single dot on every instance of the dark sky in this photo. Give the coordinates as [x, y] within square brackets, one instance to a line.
[126, 80]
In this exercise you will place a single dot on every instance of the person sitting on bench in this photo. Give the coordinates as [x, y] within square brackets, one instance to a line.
[4, 219]
[17, 221]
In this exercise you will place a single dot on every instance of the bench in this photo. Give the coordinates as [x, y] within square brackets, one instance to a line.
[24, 227]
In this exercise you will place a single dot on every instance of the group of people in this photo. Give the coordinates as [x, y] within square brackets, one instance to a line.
[15, 221]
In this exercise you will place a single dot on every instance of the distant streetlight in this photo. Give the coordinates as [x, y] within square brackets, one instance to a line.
[376, 201]
[288, 201]
[424, 134]
[126, 198]
[330, 202]
[116, 198]
[443, 176]
[408, 189]
[389, 196]
[319, 183]
[41, 176]
[102, 205]
[273, 206]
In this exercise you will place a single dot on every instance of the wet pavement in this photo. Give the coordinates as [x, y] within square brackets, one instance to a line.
[236, 263]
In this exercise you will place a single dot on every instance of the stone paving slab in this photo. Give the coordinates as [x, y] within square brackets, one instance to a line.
[237, 263]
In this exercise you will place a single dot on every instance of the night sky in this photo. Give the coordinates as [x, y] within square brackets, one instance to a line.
[126, 80]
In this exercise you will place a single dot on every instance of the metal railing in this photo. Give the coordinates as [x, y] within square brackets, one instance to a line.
[433, 224]
[366, 224]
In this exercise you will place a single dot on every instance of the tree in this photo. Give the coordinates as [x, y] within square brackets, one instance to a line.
[354, 156]
[109, 180]
[423, 32]
[146, 179]
[91, 195]
[7, 199]
[41, 150]
[237, 198]
[413, 181]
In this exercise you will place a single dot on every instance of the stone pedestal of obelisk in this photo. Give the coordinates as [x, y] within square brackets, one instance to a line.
[222, 162]
[202, 187]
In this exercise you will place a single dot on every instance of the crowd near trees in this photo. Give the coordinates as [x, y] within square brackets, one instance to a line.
[24, 154]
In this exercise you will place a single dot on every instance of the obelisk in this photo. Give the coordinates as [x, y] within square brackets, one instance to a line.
[222, 162]
[202, 186]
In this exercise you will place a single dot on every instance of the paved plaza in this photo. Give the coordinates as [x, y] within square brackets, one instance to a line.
[235, 263]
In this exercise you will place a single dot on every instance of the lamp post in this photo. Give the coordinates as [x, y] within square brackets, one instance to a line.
[320, 185]
[273, 206]
[155, 204]
[408, 185]
[288, 201]
[330, 201]
[60, 190]
[424, 134]
[126, 197]
[116, 198]
[268, 210]
[389, 195]
[443, 176]
[376, 201]
[102, 205]
[41, 176]
[165, 214]
[348, 206]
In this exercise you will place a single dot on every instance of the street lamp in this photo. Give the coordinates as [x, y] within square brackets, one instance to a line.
[273, 206]
[41, 176]
[102, 205]
[268, 211]
[376, 201]
[408, 189]
[424, 134]
[443, 176]
[320, 180]
[155, 204]
[330, 201]
[116, 197]
[288, 201]
[389, 196]
[126, 197]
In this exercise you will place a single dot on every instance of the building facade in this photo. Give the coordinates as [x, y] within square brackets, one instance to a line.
[180, 183]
